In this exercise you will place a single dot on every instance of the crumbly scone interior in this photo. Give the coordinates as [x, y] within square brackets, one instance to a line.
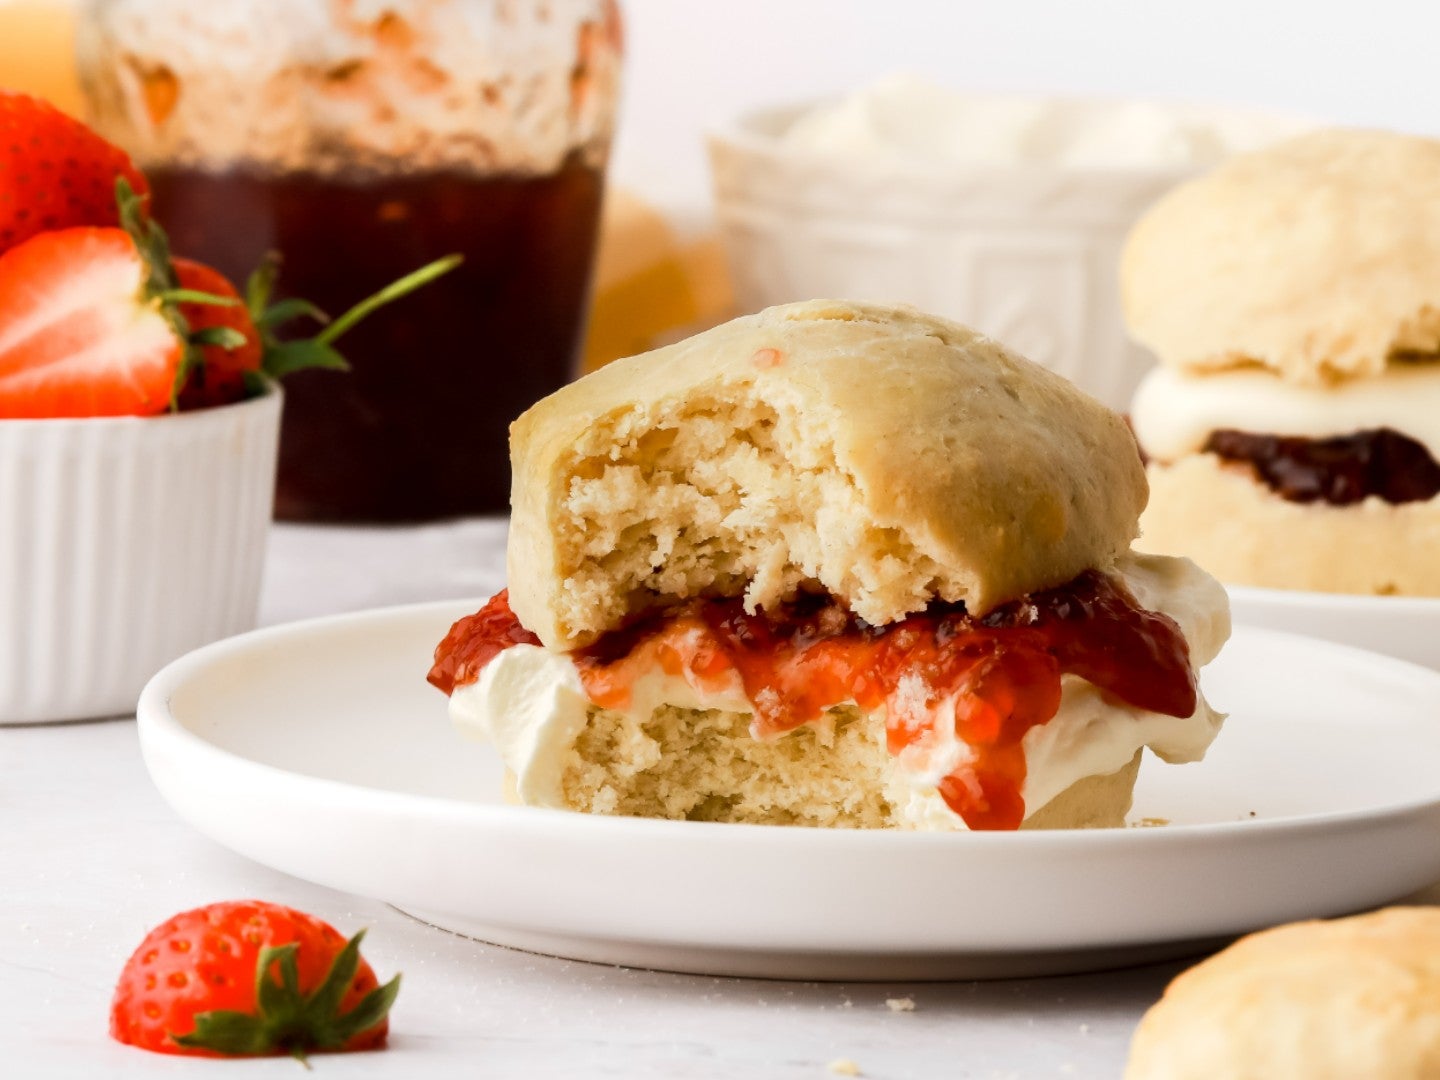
[725, 495]
[703, 765]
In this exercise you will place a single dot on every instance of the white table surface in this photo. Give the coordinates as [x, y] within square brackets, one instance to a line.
[91, 858]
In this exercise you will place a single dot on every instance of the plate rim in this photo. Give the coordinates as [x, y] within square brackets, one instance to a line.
[157, 724]
[1309, 598]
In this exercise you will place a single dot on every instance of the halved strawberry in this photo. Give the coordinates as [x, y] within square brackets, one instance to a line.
[102, 322]
[80, 332]
[55, 172]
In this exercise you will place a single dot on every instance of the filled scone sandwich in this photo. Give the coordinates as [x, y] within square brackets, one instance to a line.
[1293, 427]
[833, 564]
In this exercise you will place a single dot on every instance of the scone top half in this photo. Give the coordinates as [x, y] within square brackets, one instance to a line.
[884, 456]
[1317, 259]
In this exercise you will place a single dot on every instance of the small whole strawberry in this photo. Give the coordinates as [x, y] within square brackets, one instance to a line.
[249, 978]
[55, 172]
[221, 371]
[234, 342]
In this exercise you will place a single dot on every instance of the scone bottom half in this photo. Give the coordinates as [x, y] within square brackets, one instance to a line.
[834, 565]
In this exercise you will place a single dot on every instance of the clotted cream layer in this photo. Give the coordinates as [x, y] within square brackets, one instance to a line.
[1175, 412]
[530, 703]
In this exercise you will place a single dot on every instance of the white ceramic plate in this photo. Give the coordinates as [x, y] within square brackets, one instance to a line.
[1403, 626]
[317, 748]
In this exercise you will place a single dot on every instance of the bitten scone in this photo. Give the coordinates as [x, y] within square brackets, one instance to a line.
[1335, 1000]
[833, 564]
[1293, 427]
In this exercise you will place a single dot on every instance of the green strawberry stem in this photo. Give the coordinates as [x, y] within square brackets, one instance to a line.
[286, 1020]
[195, 296]
[396, 289]
[161, 284]
[280, 358]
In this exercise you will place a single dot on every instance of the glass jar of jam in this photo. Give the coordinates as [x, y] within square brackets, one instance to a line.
[362, 139]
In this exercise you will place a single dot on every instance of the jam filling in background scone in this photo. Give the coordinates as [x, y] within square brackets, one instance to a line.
[833, 564]
[1293, 427]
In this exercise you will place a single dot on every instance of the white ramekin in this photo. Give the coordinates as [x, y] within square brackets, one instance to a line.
[1026, 253]
[124, 543]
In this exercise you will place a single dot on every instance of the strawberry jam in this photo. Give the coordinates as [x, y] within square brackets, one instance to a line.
[1341, 471]
[988, 680]
[476, 640]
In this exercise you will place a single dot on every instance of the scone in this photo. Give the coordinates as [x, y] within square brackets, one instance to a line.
[1339, 1000]
[833, 564]
[1293, 427]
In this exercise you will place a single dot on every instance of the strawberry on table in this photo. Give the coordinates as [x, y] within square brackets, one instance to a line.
[249, 978]
[54, 171]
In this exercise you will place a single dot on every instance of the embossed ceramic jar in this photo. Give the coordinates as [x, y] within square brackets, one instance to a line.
[1022, 248]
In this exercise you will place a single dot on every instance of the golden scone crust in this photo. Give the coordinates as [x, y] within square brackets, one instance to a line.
[1338, 1000]
[887, 456]
[1318, 258]
[1238, 529]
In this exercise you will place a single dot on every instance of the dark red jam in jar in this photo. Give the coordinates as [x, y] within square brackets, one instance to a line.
[417, 428]
[362, 141]
[996, 677]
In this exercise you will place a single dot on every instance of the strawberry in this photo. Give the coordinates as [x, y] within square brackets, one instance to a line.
[102, 322]
[236, 347]
[90, 321]
[249, 978]
[78, 335]
[55, 172]
[221, 373]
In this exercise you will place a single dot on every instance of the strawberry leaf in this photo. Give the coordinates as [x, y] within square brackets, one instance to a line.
[255, 383]
[280, 358]
[288, 310]
[277, 998]
[286, 1020]
[227, 337]
[370, 1010]
[260, 286]
[226, 1032]
[195, 296]
[160, 280]
[149, 238]
[289, 356]
[325, 1001]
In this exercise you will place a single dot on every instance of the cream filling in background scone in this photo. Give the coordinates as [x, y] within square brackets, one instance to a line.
[1175, 412]
[530, 703]
[1233, 524]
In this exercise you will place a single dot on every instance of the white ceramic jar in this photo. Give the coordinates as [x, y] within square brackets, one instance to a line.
[124, 543]
[1005, 213]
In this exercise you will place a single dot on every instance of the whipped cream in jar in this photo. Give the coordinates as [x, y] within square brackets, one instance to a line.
[362, 139]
